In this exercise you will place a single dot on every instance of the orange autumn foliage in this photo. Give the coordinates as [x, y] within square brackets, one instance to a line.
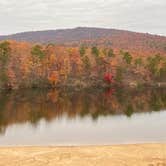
[53, 78]
[63, 64]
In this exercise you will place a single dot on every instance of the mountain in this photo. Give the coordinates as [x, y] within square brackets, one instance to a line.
[63, 35]
[120, 39]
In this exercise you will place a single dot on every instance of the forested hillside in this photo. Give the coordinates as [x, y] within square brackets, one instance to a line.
[26, 65]
[137, 43]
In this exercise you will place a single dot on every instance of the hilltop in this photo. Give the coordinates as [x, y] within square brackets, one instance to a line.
[140, 43]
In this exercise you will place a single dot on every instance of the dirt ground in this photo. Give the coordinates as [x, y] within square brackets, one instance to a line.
[116, 155]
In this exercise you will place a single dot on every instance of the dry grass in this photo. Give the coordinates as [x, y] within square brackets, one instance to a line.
[125, 155]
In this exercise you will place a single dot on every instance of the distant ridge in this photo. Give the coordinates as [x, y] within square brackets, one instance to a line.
[68, 35]
[62, 35]
[102, 36]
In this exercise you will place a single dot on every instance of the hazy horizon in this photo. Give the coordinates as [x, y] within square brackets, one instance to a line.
[42, 30]
[147, 16]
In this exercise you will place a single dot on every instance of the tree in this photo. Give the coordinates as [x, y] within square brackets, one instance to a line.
[86, 63]
[38, 52]
[5, 51]
[111, 53]
[53, 78]
[138, 61]
[95, 51]
[119, 74]
[127, 57]
[154, 64]
[104, 51]
[108, 78]
[163, 70]
[82, 51]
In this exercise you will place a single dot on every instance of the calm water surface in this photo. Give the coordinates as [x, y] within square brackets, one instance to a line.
[65, 117]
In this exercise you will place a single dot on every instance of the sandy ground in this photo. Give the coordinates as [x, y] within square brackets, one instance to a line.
[125, 155]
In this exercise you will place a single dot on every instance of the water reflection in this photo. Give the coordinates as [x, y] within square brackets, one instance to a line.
[33, 105]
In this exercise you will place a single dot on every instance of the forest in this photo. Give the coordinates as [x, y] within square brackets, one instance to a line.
[27, 65]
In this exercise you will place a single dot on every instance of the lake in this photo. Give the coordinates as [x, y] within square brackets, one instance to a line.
[86, 117]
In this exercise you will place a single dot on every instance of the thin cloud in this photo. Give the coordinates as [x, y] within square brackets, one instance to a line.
[143, 16]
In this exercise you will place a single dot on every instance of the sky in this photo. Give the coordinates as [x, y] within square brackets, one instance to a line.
[30, 15]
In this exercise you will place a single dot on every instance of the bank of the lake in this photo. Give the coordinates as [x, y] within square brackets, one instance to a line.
[116, 155]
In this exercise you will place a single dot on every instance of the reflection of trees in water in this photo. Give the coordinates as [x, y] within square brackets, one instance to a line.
[4, 98]
[32, 105]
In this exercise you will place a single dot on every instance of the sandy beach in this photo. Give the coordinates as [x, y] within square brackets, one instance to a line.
[116, 155]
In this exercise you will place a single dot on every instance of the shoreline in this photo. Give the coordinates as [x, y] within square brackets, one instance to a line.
[97, 86]
[151, 154]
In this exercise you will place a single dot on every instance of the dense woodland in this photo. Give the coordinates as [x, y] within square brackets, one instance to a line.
[26, 65]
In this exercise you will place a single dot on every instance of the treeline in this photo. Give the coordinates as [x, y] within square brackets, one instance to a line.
[23, 65]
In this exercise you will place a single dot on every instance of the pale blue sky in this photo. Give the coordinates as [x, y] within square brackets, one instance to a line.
[136, 15]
